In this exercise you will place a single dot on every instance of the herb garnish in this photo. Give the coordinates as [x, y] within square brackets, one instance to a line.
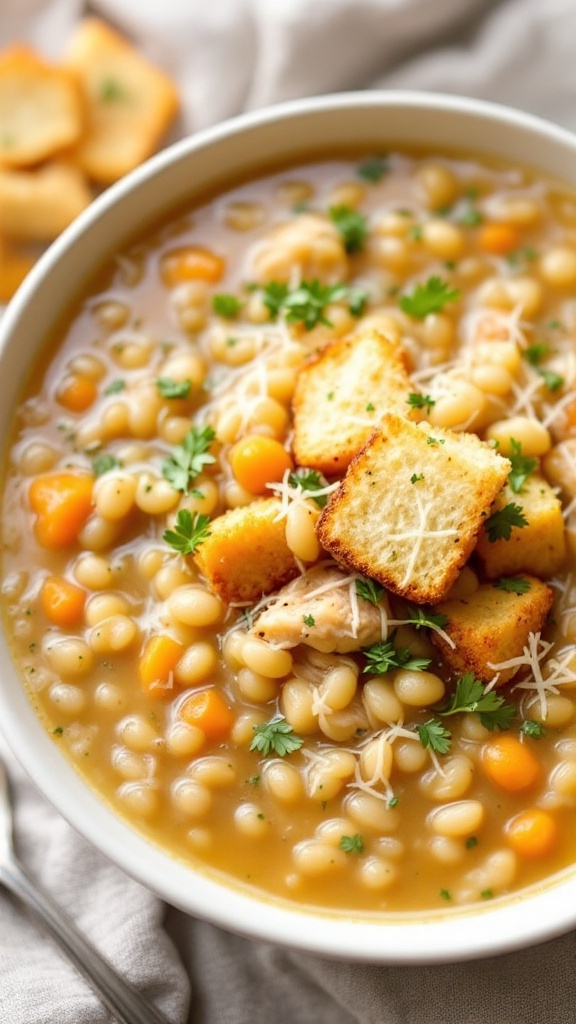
[277, 737]
[537, 352]
[309, 620]
[433, 734]
[535, 730]
[310, 480]
[351, 225]
[522, 467]
[191, 529]
[418, 618]
[512, 585]
[430, 297]
[383, 657]
[553, 381]
[226, 305]
[103, 463]
[418, 401]
[369, 590]
[189, 458]
[169, 388]
[499, 525]
[374, 169]
[114, 387]
[352, 844]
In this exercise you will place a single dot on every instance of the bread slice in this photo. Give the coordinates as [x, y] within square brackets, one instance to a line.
[130, 102]
[37, 204]
[411, 506]
[492, 626]
[246, 554]
[41, 108]
[341, 395]
[539, 547]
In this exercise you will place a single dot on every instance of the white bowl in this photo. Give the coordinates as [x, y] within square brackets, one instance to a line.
[181, 174]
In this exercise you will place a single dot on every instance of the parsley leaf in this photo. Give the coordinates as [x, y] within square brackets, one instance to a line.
[535, 730]
[114, 387]
[435, 440]
[369, 590]
[191, 529]
[351, 225]
[189, 458]
[470, 696]
[103, 463]
[352, 844]
[427, 298]
[418, 401]
[357, 301]
[418, 618]
[308, 302]
[433, 734]
[111, 91]
[225, 305]
[309, 620]
[512, 585]
[274, 295]
[374, 169]
[310, 480]
[499, 525]
[537, 352]
[553, 381]
[383, 657]
[522, 467]
[277, 737]
[169, 388]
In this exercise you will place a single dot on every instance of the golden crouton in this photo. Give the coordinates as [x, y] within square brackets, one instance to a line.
[246, 554]
[130, 102]
[539, 547]
[14, 266]
[411, 505]
[492, 625]
[36, 205]
[341, 395]
[41, 110]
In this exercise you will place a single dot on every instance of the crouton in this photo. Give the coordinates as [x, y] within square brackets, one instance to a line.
[323, 611]
[341, 395]
[36, 205]
[246, 554]
[492, 625]
[130, 102]
[411, 506]
[41, 109]
[539, 547]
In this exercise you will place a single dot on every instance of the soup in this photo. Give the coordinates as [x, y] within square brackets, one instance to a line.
[288, 534]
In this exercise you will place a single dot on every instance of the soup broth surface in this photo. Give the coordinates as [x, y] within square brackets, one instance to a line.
[331, 768]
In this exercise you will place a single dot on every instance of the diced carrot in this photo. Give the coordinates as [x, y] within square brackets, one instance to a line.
[77, 392]
[62, 601]
[208, 711]
[257, 460]
[510, 764]
[190, 263]
[499, 239]
[62, 503]
[533, 833]
[157, 664]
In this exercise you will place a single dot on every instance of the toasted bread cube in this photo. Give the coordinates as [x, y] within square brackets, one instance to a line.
[540, 546]
[41, 108]
[36, 205]
[246, 554]
[492, 626]
[14, 265]
[341, 395]
[130, 102]
[411, 506]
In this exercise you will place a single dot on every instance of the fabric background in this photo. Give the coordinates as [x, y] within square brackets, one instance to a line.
[229, 56]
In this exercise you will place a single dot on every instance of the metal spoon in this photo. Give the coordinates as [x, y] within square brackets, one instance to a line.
[118, 995]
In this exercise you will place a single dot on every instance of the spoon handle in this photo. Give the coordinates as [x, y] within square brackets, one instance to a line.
[118, 995]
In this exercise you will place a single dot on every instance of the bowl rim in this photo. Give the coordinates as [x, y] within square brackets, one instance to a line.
[534, 915]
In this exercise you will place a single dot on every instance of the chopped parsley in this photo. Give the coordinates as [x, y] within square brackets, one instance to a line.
[499, 525]
[114, 387]
[357, 301]
[470, 696]
[103, 463]
[433, 734]
[512, 585]
[274, 294]
[307, 302]
[487, 894]
[382, 657]
[352, 844]
[471, 842]
[435, 440]
[351, 225]
[191, 529]
[310, 480]
[226, 305]
[445, 894]
[430, 297]
[418, 618]
[58, 731]
[416, 233]
[374, 169]
[553, 381]
[522, 467]
[418, 401]
[111, 91]
[416, 477]
[189, 458]
[369, 590]
[309, 620]
[535, 730]
[275, 737]
[537, 352]
[169, 388]
[521, 257]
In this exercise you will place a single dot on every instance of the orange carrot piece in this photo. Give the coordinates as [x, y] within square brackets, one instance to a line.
[62, 601]
[208, 711]
[510, 764]
[62, 503]
[77, 392]
[257, 460]
[498, 239]
[190, 263]
[157, 664]
[533, 833]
